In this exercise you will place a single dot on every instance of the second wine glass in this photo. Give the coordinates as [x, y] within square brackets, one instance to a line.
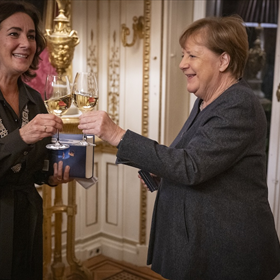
[58, 100]
[85, 94]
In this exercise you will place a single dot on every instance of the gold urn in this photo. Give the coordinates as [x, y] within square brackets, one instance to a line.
[61, 41]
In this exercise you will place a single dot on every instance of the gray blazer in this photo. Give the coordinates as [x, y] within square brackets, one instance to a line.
[212, 219]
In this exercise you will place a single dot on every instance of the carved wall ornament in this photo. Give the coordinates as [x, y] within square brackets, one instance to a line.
[114, 81]
[92, 61]
[138, 31]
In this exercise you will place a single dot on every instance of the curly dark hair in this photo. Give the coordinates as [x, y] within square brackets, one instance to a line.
[7, 9]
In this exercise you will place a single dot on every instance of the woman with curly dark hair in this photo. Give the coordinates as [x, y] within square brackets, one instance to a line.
[25, 129]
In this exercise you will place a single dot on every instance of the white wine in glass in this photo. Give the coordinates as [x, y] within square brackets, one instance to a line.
[58, 100]
[85, 94]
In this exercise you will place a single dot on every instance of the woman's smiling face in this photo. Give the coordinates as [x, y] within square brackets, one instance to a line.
[17, 44]
[201, 66]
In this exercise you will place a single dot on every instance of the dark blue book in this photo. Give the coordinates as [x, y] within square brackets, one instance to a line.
[79, 158]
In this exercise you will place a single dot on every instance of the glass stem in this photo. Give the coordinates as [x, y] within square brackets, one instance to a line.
[84, 137]
[57, 143]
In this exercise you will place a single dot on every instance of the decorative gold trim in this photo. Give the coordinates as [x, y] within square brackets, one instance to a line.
[138, 31]
[92, 61]
[145, 109]
[113, 82]
[92, 32]
[79, 271]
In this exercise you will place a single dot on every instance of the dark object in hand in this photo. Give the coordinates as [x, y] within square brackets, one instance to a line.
[149, 180]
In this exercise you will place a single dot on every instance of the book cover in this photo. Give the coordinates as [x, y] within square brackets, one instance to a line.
[79, 158]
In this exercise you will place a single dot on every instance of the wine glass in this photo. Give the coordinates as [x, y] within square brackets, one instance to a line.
[85, 95]
[58, 100]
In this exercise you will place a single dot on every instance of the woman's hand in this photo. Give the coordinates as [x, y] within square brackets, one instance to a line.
[143, 182]
[100, 124]
[59, 176]
[43, 125]
[152, 180]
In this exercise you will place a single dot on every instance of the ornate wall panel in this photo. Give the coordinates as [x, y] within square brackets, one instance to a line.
[113, 74]
[92, 37]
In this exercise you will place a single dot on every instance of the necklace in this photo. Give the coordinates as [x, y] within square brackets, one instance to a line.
[201, 106]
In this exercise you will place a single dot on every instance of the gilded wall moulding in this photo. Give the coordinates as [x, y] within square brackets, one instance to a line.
[114, 81]
[92, 61]
[145, 108]
[138, 31]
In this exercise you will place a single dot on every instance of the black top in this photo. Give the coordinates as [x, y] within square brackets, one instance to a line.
[20, 204]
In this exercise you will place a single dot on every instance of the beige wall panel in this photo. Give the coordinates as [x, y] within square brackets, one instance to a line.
[112, 190]
[91, 202]
[177, 14]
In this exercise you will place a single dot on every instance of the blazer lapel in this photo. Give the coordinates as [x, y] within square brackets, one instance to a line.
[188, 123]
